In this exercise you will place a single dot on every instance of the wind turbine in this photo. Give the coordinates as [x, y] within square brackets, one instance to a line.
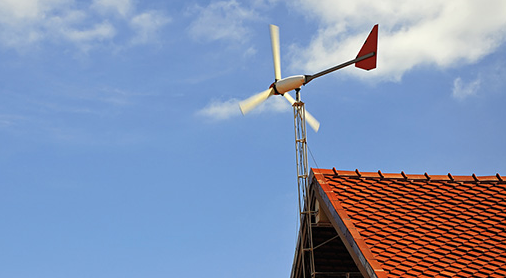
[366, 59]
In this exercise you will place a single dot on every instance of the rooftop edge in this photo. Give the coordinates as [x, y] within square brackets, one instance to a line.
[404, 176]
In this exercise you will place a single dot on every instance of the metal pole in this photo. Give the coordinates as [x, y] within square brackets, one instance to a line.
[343, 65]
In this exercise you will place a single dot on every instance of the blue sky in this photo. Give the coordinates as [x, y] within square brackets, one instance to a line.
[123, 152]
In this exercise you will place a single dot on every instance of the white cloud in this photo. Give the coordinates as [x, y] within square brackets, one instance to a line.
[250, 52]
[24, 23]
[217, 110]
[146, 25]
[222, 110]
[462, 90]
[27, 10]
[425, 33]
[223, 20]
[122, 7]
[97, 32]
[20, 21]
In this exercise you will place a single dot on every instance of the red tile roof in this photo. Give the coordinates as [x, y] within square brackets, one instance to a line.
[402, 225]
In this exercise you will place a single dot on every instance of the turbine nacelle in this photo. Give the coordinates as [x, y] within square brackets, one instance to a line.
[288, 84]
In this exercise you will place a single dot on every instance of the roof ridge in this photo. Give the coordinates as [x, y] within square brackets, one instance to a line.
[402, 175]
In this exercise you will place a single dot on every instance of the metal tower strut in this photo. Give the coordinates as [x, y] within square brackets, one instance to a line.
[305, 212]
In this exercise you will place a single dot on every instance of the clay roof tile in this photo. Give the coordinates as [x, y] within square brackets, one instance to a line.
[421, 225]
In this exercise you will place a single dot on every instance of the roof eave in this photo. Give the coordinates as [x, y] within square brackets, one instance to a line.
[356, 246]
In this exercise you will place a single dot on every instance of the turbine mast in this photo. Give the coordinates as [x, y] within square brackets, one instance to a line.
[305, 213]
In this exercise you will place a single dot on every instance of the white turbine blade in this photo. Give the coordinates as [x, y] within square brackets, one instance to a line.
[290, 99]
[310, 120]
[252, 102]
[275, 51]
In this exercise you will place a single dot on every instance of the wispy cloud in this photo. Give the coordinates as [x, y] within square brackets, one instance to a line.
[8, 120]
[463, 90]
[120, 7]
[429, 33]
[223, 110]
[95, 33]
[222, 20]
[26, 23]
[220, 110]
[147, 25]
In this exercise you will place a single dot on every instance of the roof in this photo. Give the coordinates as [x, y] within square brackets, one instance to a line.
[399, 225]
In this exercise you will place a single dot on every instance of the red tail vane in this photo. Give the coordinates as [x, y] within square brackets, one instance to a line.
[370, 46]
